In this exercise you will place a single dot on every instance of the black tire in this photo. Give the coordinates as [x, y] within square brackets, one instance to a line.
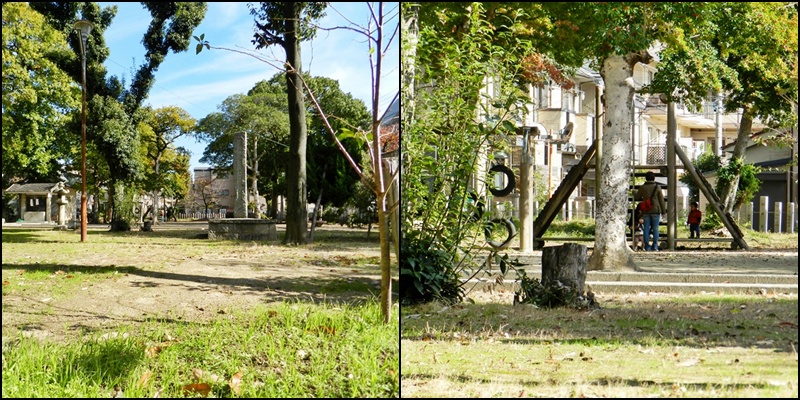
[510, 227]
[479, 207]
[512, 182]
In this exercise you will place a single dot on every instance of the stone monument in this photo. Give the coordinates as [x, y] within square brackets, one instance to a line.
[240, 227]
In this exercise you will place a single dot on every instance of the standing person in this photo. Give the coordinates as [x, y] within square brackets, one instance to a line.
[693, 219]
[652, 217]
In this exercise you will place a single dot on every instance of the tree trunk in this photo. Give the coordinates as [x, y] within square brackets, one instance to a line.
[296, 209]
[727, 192]
[254, 180]
[611, 251]
[386, 267]
[409, 37]
[156, 194]
[564, 265]
[316, 210]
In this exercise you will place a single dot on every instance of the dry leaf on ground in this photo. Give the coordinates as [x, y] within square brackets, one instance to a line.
[201, 388]
[235, 382]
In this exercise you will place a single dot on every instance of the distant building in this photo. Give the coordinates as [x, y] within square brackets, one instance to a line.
[39, 202]
[211, 192]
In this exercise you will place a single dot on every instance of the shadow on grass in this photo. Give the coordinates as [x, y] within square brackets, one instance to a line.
[23, 236]
[336, 289]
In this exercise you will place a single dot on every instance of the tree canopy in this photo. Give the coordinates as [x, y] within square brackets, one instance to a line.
[38, 96]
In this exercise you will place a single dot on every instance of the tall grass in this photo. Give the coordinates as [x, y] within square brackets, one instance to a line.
[277, 350]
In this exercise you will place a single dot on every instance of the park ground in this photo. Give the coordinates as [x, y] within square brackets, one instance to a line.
[58, 291]
[714, 342]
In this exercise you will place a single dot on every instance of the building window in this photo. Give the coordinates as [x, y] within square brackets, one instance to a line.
[36, 203]
[224, 192]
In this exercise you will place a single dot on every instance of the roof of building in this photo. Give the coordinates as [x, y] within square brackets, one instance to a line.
[389, 130]
[25, 188]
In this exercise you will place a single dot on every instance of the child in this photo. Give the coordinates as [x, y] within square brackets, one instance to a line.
[638, 236]
[694, 221]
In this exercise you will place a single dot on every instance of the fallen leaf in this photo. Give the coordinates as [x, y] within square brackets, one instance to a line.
[788, 324]
[272, 313]
[202, 388]
[6, 283]
[152, 351]
[59, 272]
[236, 380]
[145, 378]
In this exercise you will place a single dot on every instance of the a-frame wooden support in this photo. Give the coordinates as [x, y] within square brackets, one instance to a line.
[561, 195]
[713, 199]
[576, 174]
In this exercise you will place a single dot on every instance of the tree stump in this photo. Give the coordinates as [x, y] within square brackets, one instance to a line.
[564, 266]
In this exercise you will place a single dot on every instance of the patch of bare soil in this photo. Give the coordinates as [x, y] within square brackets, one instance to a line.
[159, 282]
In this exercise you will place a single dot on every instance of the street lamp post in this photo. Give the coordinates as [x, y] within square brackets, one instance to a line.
[85, 27]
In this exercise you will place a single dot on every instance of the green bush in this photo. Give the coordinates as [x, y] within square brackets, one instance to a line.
[427, 273]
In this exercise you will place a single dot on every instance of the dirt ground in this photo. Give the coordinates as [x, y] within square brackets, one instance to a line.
[143, 280]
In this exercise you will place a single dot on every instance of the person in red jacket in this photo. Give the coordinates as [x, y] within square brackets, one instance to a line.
[694, 221]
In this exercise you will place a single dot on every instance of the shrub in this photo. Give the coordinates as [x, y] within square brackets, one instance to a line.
[427, 273]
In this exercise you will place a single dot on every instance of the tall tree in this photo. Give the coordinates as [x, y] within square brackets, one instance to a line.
[37, 97]
[286, 24]
[163, 126]
[759, 42]
[115, 136]
[616, 36]
[343, 112]
[261, 113]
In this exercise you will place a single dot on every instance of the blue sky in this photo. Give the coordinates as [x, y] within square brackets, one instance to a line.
[200, 83]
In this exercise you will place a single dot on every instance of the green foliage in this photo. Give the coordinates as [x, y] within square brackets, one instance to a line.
[37, 97]
[749, 184]
[711, 220]
[427, 273]
[574, 228]
[115, 138]
[124, 204]
[440, 149]
[705, 162]
[170, 30]
[273, 20]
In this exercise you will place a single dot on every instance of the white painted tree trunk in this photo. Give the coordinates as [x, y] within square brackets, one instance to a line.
[611, 250]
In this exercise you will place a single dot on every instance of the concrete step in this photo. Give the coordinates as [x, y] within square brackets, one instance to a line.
[606, 287]
[602, 276]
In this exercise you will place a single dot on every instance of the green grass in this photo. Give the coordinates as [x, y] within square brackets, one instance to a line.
[281, 350]
[334, 346]
[585, 228]
[635, 346]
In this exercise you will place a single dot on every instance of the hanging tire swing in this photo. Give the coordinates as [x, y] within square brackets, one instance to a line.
[490, 226]
[509, 178]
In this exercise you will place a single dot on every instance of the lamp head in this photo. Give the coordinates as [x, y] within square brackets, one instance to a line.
[85, 27]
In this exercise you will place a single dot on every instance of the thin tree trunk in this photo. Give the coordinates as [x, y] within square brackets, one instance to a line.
[727, 193]
[316, 210]
[296, 209]
[155, 194]
[611, 250]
